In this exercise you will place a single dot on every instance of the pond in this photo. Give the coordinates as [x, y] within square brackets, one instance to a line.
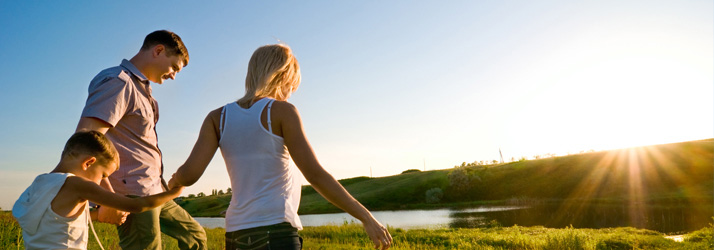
[666, 219]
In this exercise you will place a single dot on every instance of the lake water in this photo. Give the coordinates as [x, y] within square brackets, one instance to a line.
[665, 219]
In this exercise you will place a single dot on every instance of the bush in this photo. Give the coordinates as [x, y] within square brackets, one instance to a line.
[704, 235]
[434, 195]
[568, 239]
[616, 242]
[411, 171]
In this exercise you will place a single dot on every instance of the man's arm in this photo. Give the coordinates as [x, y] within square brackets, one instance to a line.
[105, 214]
[91, 123]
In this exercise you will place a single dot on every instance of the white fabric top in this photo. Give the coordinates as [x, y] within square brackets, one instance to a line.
[42, 228]
[265, 190]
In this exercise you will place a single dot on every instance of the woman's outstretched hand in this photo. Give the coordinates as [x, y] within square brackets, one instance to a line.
[378, 234]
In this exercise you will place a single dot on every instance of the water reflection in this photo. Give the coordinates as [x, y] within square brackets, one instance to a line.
[665, 219]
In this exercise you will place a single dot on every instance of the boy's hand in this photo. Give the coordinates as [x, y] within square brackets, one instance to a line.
[111, 215]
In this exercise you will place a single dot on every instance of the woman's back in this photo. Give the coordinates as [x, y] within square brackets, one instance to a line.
[264, 186]
[265, 191]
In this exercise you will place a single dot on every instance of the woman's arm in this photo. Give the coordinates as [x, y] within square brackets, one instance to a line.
[89, 190]
[288, 120]
[202, 152]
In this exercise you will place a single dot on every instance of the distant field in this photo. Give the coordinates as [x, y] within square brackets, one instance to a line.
[676, 173]
[350, 236]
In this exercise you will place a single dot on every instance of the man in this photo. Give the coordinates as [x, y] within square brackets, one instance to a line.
[121, 106]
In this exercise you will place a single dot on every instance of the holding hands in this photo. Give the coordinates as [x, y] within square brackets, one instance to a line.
[111, 215]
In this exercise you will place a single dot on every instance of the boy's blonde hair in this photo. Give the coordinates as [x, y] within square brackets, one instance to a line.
[91, 143]
[273, 71]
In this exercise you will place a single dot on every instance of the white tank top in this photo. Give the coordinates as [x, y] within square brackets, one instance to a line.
[55, 231]
[265, 190]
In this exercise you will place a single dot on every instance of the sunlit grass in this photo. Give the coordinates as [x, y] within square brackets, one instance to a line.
[352, 236]
[641, 172]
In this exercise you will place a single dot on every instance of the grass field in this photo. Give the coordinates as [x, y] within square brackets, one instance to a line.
[351, 236]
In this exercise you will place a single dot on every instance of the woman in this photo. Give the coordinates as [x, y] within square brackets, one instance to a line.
[257, 136]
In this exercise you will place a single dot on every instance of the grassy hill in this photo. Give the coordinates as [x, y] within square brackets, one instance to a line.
[669, 173]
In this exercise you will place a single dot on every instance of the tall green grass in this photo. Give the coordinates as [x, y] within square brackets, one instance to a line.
[352, 236]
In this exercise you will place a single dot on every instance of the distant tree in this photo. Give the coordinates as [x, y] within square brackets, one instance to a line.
[191, 196]
[229, 190]
[201, 194]
[434, 195]
[494, 162]
[220, 192]
[459, 179]
[410, 171]
[214, 192]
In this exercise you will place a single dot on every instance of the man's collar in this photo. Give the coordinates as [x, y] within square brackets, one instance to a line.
[129, 66]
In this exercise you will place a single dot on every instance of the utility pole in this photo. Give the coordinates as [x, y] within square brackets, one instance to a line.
[499, 152]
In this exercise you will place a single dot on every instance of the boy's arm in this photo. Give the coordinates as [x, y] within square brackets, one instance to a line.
[109, 214]
[91, 191]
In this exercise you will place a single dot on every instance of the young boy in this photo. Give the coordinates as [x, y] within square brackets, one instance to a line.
[53, 212]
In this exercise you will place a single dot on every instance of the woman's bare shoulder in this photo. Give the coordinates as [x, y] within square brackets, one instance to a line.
[216, 113]
[284, 107]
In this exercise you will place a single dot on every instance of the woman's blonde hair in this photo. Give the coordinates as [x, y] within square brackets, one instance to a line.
[273, 71]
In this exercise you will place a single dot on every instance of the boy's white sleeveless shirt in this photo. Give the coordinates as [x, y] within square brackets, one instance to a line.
[264, 185]
[42, 228]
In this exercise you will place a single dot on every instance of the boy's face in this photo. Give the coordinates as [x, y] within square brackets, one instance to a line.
[97, 172]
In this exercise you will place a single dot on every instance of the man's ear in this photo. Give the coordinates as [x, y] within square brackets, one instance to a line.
[88, 161]
[158, 49]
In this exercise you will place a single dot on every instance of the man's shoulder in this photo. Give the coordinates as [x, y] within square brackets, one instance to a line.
[118, 73]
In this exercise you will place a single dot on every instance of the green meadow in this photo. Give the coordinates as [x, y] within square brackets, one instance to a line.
[679, 174]
[352, 236]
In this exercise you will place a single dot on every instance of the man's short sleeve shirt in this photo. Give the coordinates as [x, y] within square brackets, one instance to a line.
[121, 96]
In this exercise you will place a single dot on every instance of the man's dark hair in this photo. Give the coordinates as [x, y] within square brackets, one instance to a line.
[91, 143]
[172, 42]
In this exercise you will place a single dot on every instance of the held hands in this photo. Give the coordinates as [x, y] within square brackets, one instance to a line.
[111, 215]
[173, 183]
[378, 234]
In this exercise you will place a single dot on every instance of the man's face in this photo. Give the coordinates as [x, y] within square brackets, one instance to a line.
[166, 67]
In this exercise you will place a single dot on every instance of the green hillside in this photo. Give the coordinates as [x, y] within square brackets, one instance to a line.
[669, 173]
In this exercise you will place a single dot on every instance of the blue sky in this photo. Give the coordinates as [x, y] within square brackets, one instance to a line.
[387, 85]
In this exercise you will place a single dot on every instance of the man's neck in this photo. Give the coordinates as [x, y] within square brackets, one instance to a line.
[140, 62]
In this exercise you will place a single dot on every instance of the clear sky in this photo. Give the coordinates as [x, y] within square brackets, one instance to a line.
[387, 85]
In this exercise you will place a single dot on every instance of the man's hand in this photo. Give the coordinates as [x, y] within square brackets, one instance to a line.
[111, 215]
